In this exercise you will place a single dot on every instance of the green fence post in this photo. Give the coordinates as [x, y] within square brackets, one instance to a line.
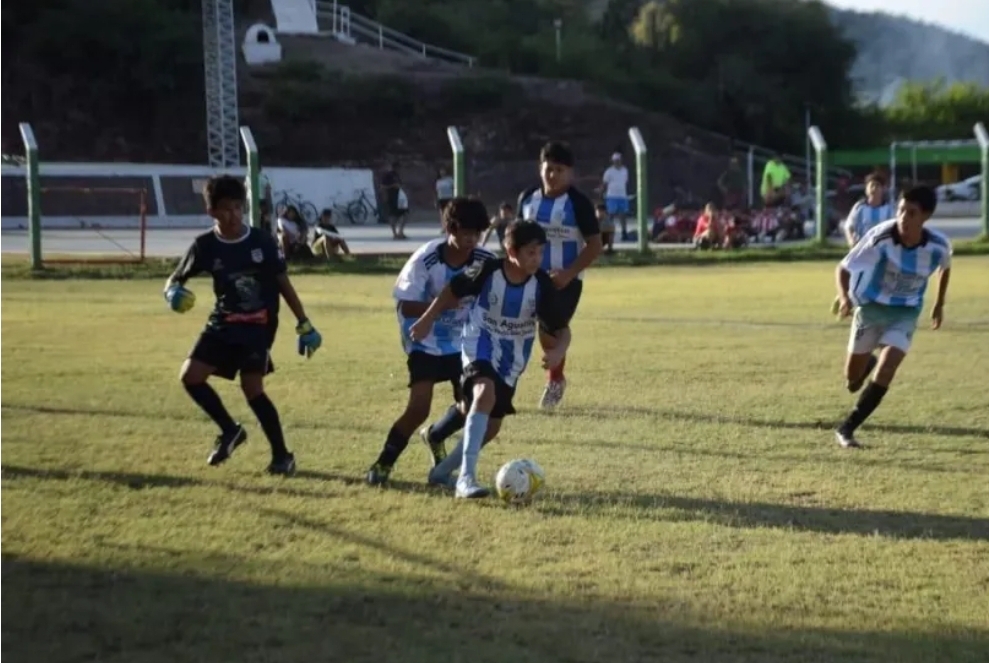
[982, 136]
[33, 181]
[459, 170]
[821, 182]
[641, 187]
[253, 169]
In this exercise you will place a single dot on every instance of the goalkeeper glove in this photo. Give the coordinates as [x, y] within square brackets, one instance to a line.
[179, 298]
[309, 338]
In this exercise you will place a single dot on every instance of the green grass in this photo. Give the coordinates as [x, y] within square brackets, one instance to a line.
[697, 509]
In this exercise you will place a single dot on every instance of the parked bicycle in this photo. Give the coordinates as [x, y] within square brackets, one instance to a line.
[359, 210]
[285, 199]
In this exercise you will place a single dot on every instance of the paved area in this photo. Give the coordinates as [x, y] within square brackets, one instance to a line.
[362, 239]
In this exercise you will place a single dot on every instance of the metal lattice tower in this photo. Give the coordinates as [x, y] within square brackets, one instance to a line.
[220, 63]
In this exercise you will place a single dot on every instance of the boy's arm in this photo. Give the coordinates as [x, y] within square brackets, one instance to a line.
[944, 276]
[291, 297]
[587, 222]
[188, 266]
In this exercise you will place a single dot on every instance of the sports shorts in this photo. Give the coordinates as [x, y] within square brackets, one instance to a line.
[878, 325]
[424, 367]
[569, 298]
[231, 354]
[504, 393]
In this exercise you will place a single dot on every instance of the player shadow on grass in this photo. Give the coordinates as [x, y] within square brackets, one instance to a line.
[59, 612]
[713, 418]
[746, 515]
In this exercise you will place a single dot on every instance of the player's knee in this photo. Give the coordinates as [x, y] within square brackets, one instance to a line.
[192, 373]
[484, 396]
[252, 385]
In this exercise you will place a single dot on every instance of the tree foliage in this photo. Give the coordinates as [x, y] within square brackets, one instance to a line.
[936, 111]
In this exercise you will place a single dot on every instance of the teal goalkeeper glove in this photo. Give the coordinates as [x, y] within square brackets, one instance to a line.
[309, 339]
[179, 298]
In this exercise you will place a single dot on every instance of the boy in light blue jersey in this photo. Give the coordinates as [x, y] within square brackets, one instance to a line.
[881, 283]
[513, 299]
[434, 357]
[868, 213]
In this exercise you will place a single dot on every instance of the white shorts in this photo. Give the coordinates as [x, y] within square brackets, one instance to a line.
[875, 326]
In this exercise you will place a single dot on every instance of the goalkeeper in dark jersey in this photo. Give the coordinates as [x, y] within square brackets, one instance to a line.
[249, 277]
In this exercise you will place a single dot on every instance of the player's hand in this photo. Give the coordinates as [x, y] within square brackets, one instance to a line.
[937, 316]
[179, 298]
[552, 359]
[420, 328]
[309, 339]
[844, 306]
[561, 278]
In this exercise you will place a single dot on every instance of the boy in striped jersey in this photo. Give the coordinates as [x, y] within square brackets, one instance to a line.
[867, 214]
[514, 298]
[573, 238]
[434, 357]
[882, 281]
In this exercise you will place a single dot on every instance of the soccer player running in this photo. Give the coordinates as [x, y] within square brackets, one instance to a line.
[514, 299]
[435, 357]
[249, 276]
[881, 283]
[573, 238]
[866, 214]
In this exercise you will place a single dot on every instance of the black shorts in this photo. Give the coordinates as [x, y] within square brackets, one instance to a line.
[569, 298]
[230, 357]
[504, 393]
[425, 367]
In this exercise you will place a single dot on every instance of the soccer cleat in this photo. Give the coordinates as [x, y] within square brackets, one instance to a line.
[225, 445]
[468, 488]
[846, 439]
[437, 450]
[378, 475]
[855, 386]
[284, 466]
[552, 394]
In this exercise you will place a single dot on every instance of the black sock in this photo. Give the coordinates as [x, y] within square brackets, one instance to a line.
[868, 401]
[449, 424]
[267, 416]
[207, 398]
[394, 446]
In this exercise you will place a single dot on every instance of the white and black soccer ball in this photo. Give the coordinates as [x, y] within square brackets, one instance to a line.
[519, 480]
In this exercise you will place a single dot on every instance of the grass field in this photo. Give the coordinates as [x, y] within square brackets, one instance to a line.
[698, 507]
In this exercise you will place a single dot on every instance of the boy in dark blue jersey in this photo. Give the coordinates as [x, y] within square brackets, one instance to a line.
[249, 277]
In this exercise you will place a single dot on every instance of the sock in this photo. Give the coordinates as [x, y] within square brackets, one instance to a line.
[395, 444]
[207, 399]
[556, 374]
[449, 424]
[868, 401]
[267, 416]
[476, 429]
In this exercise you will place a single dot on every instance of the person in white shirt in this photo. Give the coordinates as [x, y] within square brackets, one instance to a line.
[444, 192]
[615, 183]
[881, 284]
[291, 231]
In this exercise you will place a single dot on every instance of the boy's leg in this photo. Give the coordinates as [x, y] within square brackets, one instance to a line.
[252, 384]
[416, 412]
[475, 431]
[556, 383]
[442, 473]
[211, 356]
[452, 420]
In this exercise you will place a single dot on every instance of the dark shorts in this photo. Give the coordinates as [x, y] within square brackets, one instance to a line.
[230, 356]
[504, 393]
[569, 298]
[434, 369]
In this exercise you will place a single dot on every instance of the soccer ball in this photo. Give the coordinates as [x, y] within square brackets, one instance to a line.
[519, 480]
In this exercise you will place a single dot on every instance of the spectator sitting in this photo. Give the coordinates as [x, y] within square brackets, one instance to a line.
[707, 233]
[775, 187]
[292, 233]
[328, 242]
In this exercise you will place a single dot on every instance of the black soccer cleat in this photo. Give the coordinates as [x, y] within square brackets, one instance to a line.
[284, 466]
[377, 475]
[225, 445]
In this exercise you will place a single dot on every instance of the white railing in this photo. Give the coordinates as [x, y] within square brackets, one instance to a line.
[338, 20]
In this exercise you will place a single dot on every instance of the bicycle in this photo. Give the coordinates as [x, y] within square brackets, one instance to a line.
[285, 199]
[360, 209]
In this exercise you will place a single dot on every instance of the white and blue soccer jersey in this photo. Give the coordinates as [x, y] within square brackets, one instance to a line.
[883, 271]
[865, 217]
[568, 220]
[501, 326]
[422, 279]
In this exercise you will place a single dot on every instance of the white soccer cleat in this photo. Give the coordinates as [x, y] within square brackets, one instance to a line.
[846, 440]
[552, 394]
[468, 488]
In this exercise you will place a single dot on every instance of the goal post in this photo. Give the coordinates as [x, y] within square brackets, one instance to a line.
[641, 187]
[820, 183]
[982, 137]
[459, 164]
[33, 182]
[253, 176]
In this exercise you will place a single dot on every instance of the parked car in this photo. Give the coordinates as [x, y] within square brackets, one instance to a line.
[968, 189]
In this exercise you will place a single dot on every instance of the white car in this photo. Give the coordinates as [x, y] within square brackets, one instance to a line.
[969, 189]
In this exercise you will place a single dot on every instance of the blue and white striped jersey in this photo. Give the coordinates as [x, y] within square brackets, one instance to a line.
[886, 272]
[568, 220]
[502, 324]
[864, 217]
[422, 278]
